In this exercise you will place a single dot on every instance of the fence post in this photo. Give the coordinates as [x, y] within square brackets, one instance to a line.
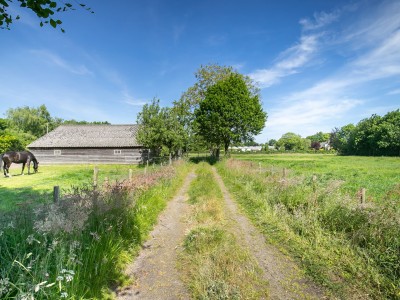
[362, 196]
[95, 176]
[130, 175]
[284, 173]
[56, 194]
[170, 159]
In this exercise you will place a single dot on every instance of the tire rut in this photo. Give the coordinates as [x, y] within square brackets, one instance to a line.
[285, 278]
[154, 270]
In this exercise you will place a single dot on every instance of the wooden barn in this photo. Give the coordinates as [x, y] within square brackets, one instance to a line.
[102, 144]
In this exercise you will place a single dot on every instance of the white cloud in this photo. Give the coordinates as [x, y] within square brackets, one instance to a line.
[320, 20]
[394, 92]
[332, 101]
[55, 60]
[288, 62]
[128, 99]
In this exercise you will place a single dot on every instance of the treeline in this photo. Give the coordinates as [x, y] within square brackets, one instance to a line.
[374, 136]
[22, 125]
[371, 136]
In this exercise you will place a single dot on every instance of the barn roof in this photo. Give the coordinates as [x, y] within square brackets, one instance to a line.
[88, 136]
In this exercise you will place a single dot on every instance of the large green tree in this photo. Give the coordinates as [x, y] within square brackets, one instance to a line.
[160, 129]
[229, 113]
[206, 76]
[45, 10]
[291, 142]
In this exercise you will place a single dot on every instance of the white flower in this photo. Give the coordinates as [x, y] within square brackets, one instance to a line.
[10, 225]
[64, 295]
[30, 239]
[60, 278]
[69, 277]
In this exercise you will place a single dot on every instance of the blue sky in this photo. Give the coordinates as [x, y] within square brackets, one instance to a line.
[320, 64]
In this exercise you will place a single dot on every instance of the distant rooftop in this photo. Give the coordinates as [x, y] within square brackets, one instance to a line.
[89, 136]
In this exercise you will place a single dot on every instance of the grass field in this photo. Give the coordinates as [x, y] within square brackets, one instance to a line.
[39, 187]
[377, 174]
[352, 249]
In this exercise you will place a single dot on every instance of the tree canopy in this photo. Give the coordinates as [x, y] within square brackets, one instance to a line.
[45, 10]
[160, 129]
[229, 113]
[375, 135]
[23, 125]
[291, 141]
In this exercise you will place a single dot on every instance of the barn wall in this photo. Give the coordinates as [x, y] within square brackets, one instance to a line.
[89, 155]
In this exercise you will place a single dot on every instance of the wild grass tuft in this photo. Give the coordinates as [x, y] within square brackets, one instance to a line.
[352, 248]
[76, 249]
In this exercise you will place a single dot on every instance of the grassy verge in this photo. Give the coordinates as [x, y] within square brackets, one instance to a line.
[77, 248]
[353, 250]
[37, 188]
[213, 264]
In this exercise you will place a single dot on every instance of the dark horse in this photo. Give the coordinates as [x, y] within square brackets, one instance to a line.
[22, 157]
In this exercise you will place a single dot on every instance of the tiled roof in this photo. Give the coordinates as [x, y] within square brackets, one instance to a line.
[84, 136]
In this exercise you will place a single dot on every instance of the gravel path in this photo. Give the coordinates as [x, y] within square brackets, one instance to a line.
[284, 277]
[154, 270]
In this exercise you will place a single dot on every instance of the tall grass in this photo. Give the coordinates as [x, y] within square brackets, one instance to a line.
[76, 249]
[352, 249]
[376, 174]
[213, 264]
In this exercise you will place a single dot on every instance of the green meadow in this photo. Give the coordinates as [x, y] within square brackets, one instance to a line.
[377, 174]
[38, 188]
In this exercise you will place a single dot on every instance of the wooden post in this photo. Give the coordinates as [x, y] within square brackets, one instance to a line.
[170, 159]
[284, 173]
[130, 175]
[56, 194]
[259, 167]
[362, 196]
[95, 176]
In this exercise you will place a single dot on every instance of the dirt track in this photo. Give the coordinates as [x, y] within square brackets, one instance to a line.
[155, 273]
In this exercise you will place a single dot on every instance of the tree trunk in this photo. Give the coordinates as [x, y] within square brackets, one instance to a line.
[217, 153]
[226, 149]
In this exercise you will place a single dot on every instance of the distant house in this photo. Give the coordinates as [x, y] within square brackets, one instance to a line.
[246, 148]
[105, 144]
[326, 146]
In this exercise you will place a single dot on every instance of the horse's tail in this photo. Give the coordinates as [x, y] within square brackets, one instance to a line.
[1, 161]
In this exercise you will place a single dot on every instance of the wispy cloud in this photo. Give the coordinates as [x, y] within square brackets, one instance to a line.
[129, 99]
[177, 32]
[331, 100]
[57, 61]
[288, 62]
[298, 56]
[394, 92]
[303, 116]
[320, 20]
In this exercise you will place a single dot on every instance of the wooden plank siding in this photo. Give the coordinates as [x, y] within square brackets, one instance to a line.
[89, 155]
